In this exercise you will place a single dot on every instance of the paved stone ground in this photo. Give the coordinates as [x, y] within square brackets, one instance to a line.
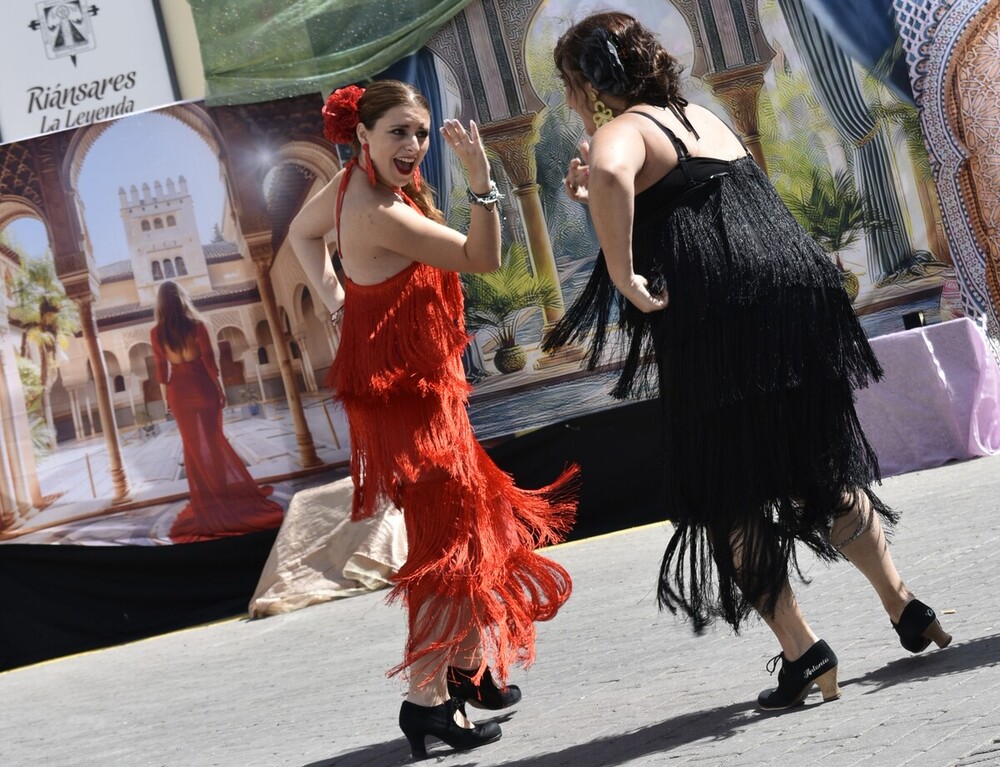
[616, 682]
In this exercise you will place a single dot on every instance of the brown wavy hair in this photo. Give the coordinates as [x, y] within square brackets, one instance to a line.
[381, 96]
[176, 317]
[653, 74]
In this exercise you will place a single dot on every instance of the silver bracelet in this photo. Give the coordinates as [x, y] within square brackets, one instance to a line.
[491, 197]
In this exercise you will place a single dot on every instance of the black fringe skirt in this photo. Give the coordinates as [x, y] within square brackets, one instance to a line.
[754, 362]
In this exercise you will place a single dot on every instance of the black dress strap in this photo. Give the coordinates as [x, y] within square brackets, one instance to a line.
[683, 155]
[679, 146]
[677, 107]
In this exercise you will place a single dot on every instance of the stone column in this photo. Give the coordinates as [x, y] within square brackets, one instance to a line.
[262, 255]
[930, 205]
[130, 381]
[50, 421]
[19, 486]
[731, 54]
[332, 337]
[260, 380]
[16, 493]
[308, 374]
[738, 90]
[514, 140]
[90, 428]
[9, 516]
[74, 406]
[109, 428]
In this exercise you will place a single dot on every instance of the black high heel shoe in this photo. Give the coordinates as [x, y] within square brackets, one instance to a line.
[918, 626]
[486, 694]
[417, 722]
[818, 665]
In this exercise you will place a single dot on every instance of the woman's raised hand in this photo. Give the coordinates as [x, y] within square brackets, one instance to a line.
[578, 175]
[468, 145]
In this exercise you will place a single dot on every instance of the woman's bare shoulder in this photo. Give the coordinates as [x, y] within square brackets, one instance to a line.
[328, 193]
[715, 136]
[337, 179]
[377, 232]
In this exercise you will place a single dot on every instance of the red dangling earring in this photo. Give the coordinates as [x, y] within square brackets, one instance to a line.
[416, 179]
[369, 165]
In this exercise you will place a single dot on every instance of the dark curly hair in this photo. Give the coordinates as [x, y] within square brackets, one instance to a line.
[651, 75]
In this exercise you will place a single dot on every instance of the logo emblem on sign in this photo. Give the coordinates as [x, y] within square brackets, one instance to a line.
[66, 28]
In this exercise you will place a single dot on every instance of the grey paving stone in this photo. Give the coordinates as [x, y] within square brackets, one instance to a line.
[615, 683]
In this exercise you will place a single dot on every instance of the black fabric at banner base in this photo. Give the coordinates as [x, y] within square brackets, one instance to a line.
[62, 599]
[620, 459]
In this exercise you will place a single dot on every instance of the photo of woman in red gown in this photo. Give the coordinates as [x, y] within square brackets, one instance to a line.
[225, 499]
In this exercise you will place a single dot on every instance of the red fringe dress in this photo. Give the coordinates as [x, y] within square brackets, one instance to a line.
[471, 533]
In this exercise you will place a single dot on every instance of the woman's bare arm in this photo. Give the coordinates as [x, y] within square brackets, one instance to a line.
[307, 236]
[402, 230]
[617, 154]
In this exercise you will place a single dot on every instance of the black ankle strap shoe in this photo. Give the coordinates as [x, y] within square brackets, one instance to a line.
[818, 665]
[417, 722]
[484, 695]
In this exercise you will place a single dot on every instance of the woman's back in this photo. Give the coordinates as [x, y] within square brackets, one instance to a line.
[712, 139]
[194, 346]
[362, 211]
[188, 351]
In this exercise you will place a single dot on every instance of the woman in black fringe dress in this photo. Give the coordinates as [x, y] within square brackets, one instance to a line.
[739, 322]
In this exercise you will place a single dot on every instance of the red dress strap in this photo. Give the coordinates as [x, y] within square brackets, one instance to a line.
[340, 200]
[408, 201]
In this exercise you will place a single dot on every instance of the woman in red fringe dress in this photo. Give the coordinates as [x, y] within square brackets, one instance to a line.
[225, 499]
[473, 584]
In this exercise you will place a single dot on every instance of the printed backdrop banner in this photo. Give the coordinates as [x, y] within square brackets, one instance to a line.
[70, 63]
[95, 219]
[93, 453]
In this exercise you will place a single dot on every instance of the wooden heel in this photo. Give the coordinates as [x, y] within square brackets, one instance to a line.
[918, 626]
[936, 634]
[828, 685]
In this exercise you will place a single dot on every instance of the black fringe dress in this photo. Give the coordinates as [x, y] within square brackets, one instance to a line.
[754, 361]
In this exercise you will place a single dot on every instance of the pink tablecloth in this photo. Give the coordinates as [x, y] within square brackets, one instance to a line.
[939, 400]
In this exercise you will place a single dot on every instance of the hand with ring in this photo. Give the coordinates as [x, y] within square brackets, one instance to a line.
[468, 145]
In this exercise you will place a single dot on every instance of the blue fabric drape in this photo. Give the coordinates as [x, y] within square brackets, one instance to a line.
[420, 71]
[866, 30]
[838, 90]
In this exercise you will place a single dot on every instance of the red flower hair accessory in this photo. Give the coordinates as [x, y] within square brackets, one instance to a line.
[340, 114]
